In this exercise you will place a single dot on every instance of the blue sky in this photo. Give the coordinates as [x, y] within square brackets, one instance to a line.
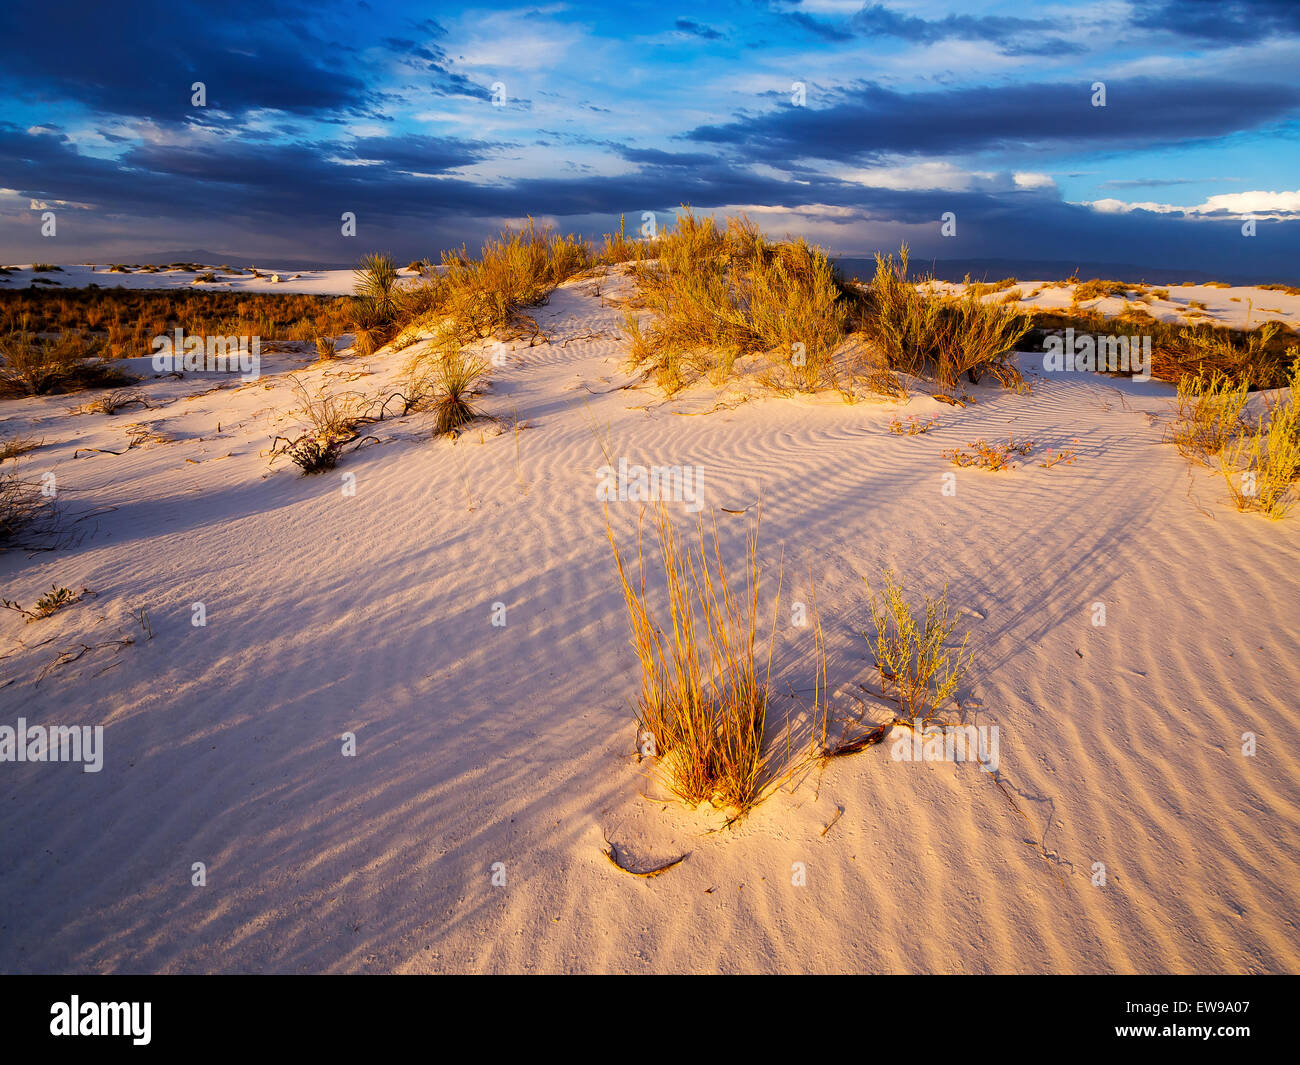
[909, 110]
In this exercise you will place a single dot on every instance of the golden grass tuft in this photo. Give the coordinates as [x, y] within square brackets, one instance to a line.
[703, 701]
[937, 337]
[718, 294]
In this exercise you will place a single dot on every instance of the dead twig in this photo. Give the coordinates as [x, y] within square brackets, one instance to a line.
[612, 854]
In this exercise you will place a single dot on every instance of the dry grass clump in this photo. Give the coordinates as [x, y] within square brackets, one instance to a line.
[1097, 289]
[913, 652]
[988, 456]
[979, 289]
[13, 446]
[618, 249]
[112, 402]
[702, 707]
[1261, 466]
[718, 294]
[35, 365]
[23, 504]
[121, 323]
[940, 338]
[1208, 415]
[474, 299]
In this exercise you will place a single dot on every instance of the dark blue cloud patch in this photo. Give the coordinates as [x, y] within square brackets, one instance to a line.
[868, 121]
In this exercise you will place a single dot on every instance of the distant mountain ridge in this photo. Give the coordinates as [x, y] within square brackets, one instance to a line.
[213, 258]
[1055, 270]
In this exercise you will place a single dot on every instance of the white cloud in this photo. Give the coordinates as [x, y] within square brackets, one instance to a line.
[1257, 202]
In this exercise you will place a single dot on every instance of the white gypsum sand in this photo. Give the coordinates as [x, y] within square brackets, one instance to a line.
[328, 613]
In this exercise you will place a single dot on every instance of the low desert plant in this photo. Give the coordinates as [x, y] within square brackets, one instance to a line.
[913, 652]
[1065, 457]
[989, 456]
[311, 454]
[913, 426]
[50, 602]
[331, 421]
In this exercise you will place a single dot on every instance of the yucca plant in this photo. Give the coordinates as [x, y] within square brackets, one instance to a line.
[376, 281]
[457, 375]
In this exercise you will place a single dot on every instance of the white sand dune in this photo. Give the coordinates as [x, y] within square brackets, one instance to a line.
[370, 614]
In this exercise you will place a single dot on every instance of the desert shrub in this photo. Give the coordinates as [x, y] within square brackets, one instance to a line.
[1252, 357]
[13, 446]
[979, 289]
[35, 365]
[913, 652]
[1261, 466]
[1208, 415]
[1259, 356]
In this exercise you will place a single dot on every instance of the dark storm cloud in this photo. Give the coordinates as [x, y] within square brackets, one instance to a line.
[869, 121]
[1222, 22]
[139, 59]
[1018, 36]
[294, 194]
